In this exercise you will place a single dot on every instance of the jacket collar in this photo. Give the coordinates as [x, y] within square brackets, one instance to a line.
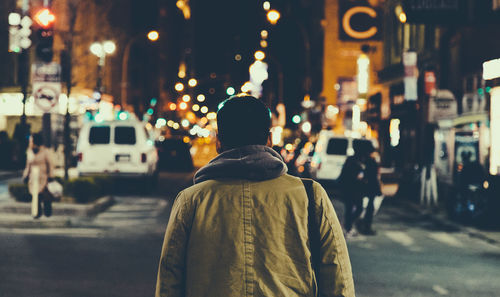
[252, 162]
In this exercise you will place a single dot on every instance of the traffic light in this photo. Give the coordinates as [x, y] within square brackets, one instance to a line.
[45, 19]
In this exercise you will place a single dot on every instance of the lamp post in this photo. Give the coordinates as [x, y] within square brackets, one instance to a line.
[101, 50]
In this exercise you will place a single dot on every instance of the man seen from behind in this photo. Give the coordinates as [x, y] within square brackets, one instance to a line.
[242, 228]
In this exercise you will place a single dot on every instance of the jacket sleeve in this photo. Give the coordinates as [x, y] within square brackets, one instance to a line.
[335, 277]
[171, 271]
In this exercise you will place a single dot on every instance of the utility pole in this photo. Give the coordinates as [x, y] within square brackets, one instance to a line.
[67, 66]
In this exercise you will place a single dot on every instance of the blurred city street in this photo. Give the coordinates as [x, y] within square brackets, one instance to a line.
[109, 108]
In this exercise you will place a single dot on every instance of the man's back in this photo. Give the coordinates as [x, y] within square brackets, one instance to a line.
[250, 238]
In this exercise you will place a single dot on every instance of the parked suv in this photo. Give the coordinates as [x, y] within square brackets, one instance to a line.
[122, 148]
[331, 152]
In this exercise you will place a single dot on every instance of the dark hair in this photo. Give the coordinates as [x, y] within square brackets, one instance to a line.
[243, 120]
[37, 139]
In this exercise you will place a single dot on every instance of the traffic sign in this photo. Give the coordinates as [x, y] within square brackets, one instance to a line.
[46, 81]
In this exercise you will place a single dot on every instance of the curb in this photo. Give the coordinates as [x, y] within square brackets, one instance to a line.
[18, 214]
[10, 174]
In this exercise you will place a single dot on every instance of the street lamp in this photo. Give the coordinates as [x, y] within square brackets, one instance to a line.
[153, 35]
[273, 16]
[101, 50]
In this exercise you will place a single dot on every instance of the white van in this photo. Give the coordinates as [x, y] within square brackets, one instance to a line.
[122, 148]
[331, 152]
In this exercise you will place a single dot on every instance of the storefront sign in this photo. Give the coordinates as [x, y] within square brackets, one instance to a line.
[491, 69]
[358, 21]
[430, 82]
[411, 75]
[442, 105]
[434, 11]
[494, 128]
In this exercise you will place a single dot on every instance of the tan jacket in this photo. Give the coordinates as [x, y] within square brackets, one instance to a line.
[240, 237]
[42, 160]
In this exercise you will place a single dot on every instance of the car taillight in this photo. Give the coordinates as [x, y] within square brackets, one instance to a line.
[144, 158]
[80, 157]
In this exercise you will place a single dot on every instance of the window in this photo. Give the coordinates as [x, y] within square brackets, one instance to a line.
[125, 135]
[99, 135]
[337, 146]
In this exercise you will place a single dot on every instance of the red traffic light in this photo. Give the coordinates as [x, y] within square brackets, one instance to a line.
[44, 18]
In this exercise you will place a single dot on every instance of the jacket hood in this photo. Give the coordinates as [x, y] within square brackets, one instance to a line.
[252, 162]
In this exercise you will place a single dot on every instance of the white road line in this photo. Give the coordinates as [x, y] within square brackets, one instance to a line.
[446, 239]
[403, 239]
[440, 290]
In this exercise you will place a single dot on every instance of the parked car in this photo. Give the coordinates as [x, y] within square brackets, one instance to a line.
[119, 148]
[331, 152]
[174, 155]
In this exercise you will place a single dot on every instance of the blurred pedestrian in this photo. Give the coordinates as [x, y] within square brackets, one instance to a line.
[373, 190]
[352, 184]
[242, 229]
[37, 174]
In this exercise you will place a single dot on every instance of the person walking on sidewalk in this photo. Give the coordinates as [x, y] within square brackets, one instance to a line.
[39, 159]
[352, 185]
[242, 228]
[373, 190]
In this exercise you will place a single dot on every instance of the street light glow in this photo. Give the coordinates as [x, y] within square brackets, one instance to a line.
[192, 82]
[230, 91]
[179, 87]
[263, 43]
[259, 55]
[402, 17]
[96, 49]
[172, 106]
[186, 98]
[196, 107]
[264, 34]
[273, 16]
[204, 109]
[266, 5]
[109, 47]
[183, 105]
[200, 98]
[153, 35]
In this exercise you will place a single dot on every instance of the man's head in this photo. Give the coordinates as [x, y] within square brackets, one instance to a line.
[243, 120]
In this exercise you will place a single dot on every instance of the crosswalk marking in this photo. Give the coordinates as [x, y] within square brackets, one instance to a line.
[440, 290]
[403, 239]
[445, 238]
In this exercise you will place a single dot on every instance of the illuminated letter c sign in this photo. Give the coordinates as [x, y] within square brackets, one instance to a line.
[346, 22]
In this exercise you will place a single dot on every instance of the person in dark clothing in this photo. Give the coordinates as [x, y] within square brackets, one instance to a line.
[372, 184]
[352, 185]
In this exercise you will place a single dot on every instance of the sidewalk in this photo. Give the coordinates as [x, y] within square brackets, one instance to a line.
[439, 215]
[7, 174]
[18, 214]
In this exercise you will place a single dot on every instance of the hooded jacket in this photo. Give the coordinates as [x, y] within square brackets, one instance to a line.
[241, 230]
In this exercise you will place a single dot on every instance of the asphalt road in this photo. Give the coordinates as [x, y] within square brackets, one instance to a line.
[117, 253]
